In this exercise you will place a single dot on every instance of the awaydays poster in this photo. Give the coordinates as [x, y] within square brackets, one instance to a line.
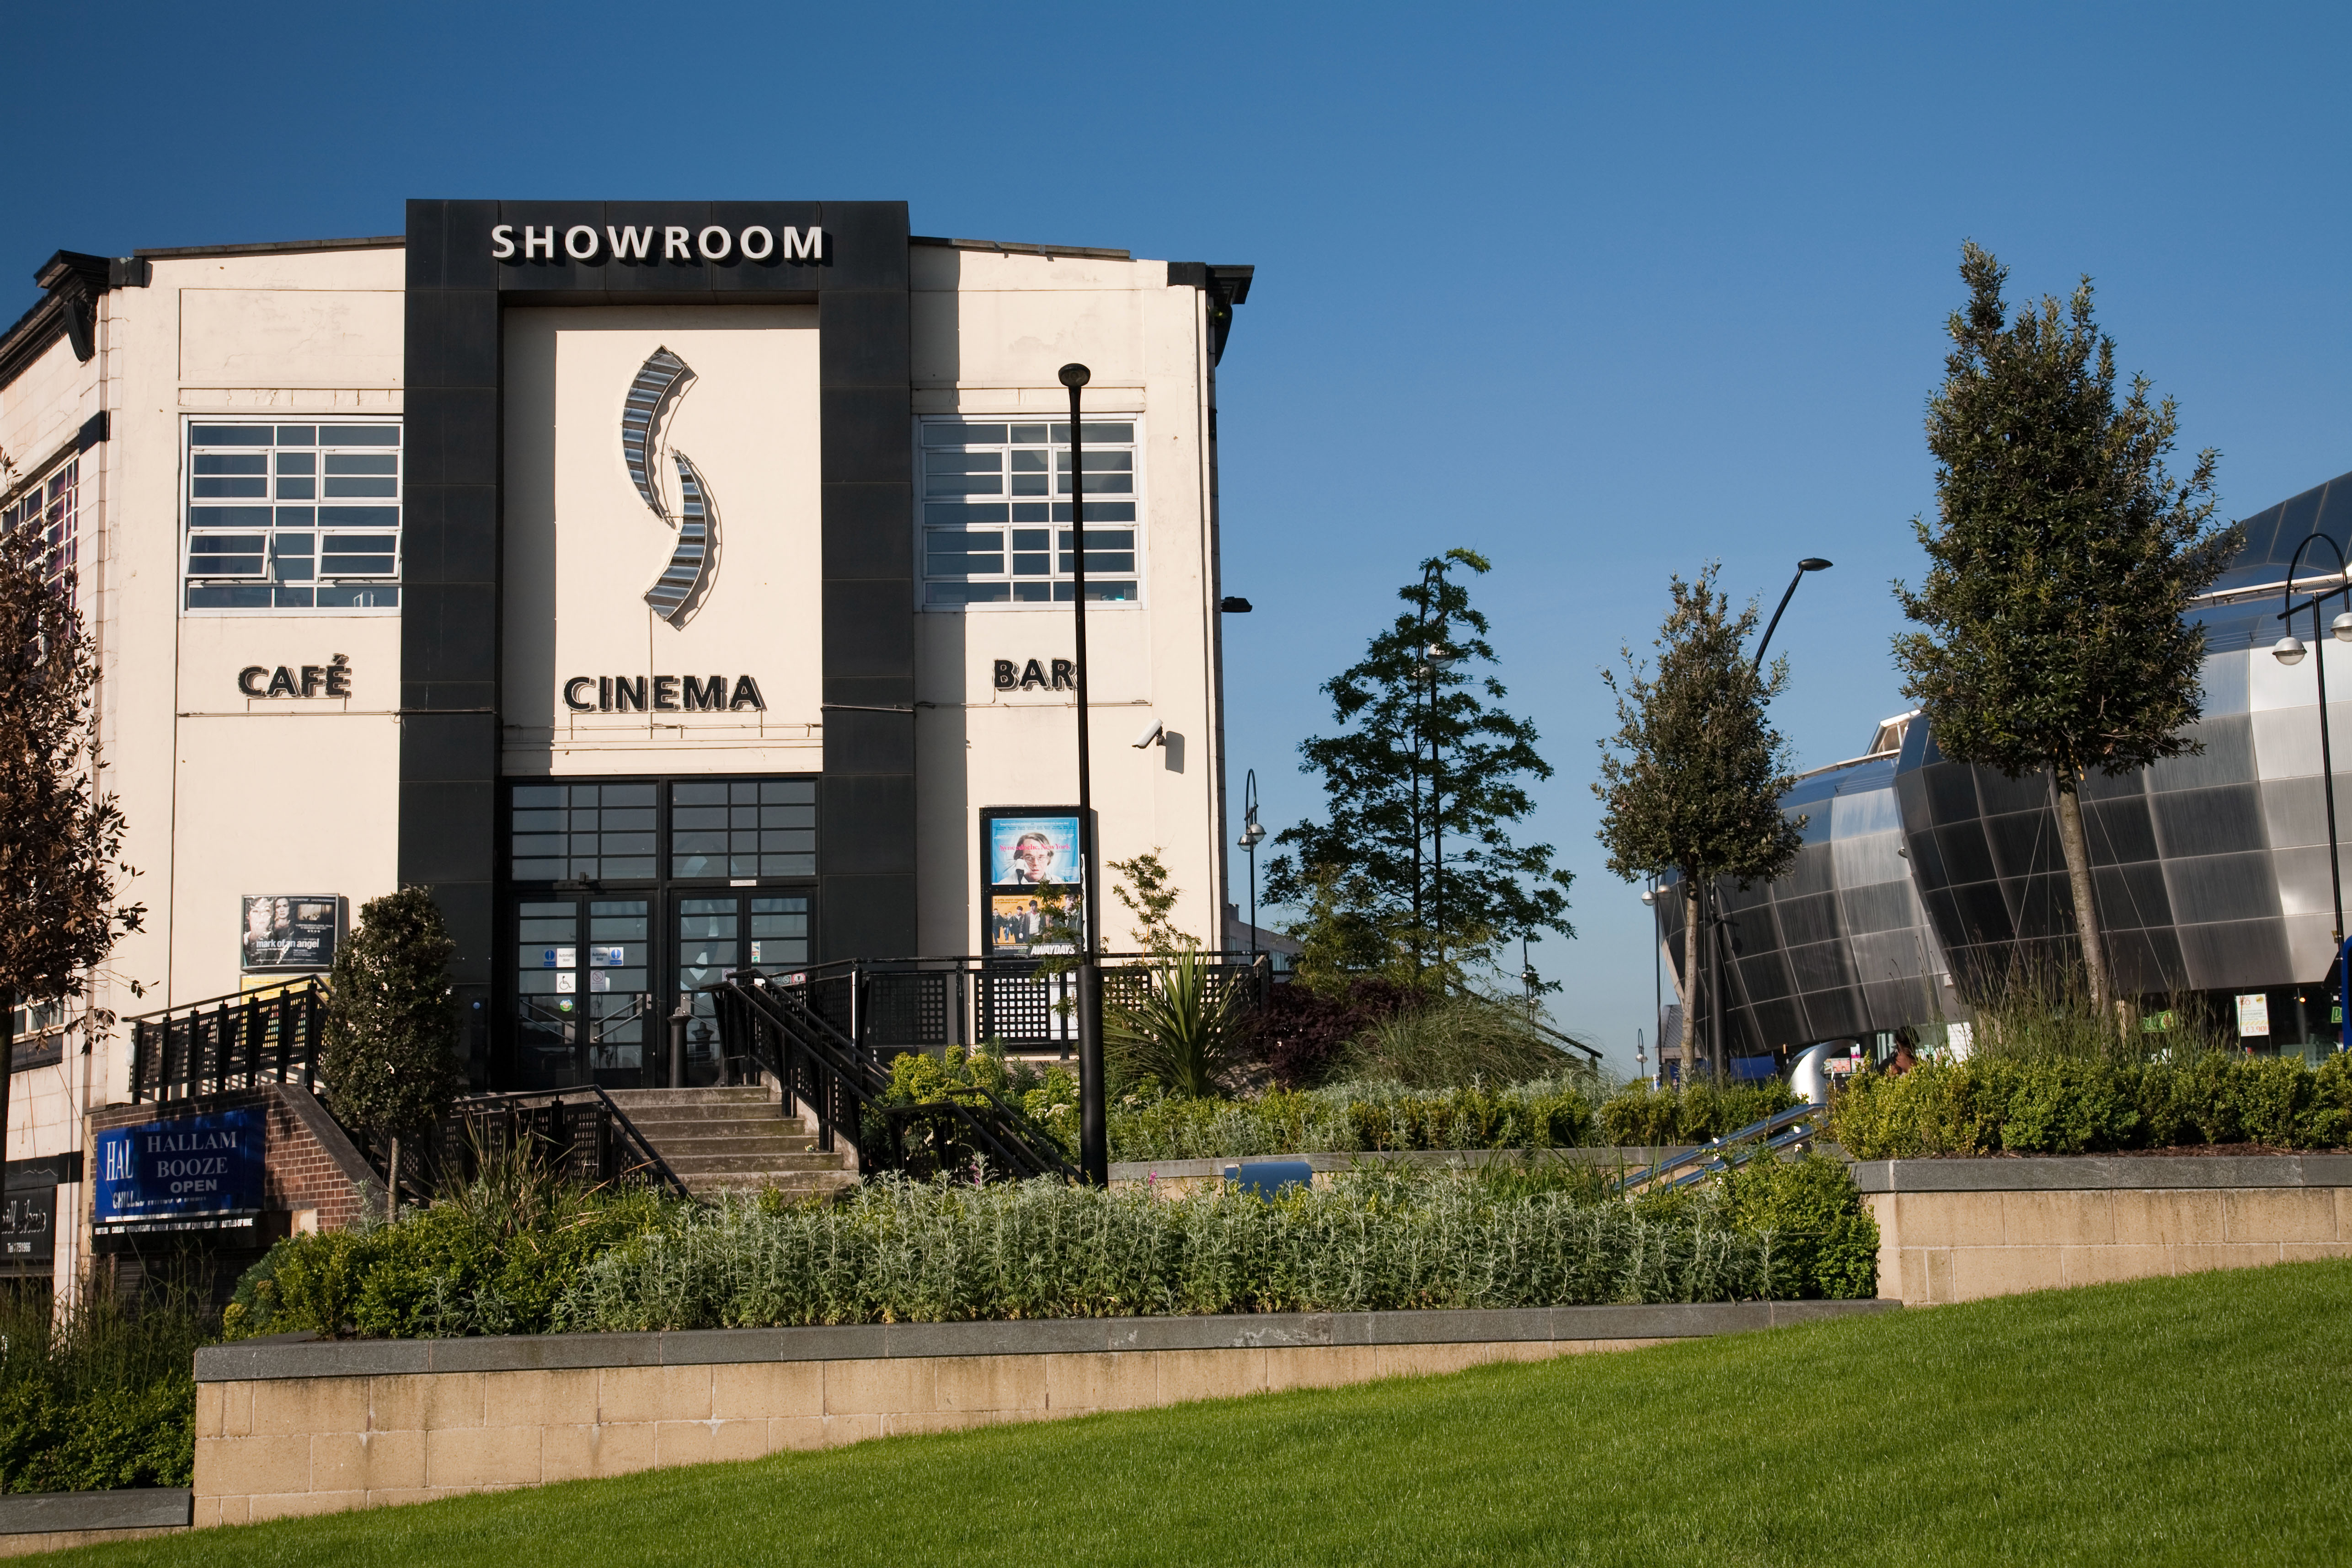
[1026, 851]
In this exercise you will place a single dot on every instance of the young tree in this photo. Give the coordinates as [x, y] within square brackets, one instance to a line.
[60, 838]
[1692, 781]
[2061, 563]
[1425, 765]
[389, 1056]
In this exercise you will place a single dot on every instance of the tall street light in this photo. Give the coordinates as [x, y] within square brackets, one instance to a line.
[1809, 564]
[1094, 1133]
[1251, 834]
[2289, 650]
[1437, 659]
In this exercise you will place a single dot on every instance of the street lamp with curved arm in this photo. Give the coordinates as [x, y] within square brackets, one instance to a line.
[1809, 564]
[1252, 835]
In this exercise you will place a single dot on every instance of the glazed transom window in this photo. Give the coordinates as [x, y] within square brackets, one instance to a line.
[293, 517]
[996, 525]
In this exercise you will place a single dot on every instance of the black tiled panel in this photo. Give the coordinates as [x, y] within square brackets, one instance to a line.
[451, 337]
[2224, 887]
[1809, 918]
[1822, 966]
[861, 822]
[869, 628]
[1981, 911]
[2228, 757]
[2044, 905]
[1764, 977]
[862, 916]
[857, 742]
[2241, 952]
[2000, 794]
[446, 747]
[891, 691]
[866, 244]
[2024, 842]
[452, 824]
[1951, 794]
[1883, 906]
[448, 632]
[866, 337]
[869, 532]
[867, 437]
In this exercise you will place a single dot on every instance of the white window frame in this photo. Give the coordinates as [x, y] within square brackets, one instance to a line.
[32, 506]
[1141, 499]
[398, 501]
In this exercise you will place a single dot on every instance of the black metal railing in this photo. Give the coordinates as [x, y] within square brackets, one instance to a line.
[780, 1027]
[228, 1042]
[578, 1133]
[890, 1004]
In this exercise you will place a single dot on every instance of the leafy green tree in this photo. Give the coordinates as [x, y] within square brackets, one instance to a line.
[389, 1056]
[1423, 758]
[2061, 563]
[1143, 888]
[1692, 781]
[60, 837]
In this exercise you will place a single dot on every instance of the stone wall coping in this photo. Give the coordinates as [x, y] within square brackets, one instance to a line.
[2093, 1173]
[264, 1359]
[1462, 1159]
[134, 1508]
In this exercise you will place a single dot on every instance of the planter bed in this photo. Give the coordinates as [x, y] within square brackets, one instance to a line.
[310, 1427]
[1177, 1176]
[1959, 1229]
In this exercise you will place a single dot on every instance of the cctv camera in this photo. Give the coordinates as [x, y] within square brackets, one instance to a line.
[1156, 733]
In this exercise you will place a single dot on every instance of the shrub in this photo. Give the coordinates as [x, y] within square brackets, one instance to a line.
[1456, 1042]
[1183, 1032]
[1302, 1033]
[2058, 1104]
[1639, 1117]
[103, 1398]
[1820, 1240]
[900, 1251]
[1353, 1118]
[492, 1257]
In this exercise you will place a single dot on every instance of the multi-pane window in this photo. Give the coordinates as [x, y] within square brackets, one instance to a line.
[588, 832]
[717, 829]
[51, 506]
[995, 529]
[293, 517]
[742, 827]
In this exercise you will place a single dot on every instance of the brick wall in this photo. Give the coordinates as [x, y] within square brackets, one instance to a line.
[309, 1162]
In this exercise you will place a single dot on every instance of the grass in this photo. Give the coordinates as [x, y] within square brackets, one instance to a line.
[2192, 1420]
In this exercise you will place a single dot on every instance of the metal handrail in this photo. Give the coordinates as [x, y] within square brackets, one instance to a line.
[1772, 1134]
[839, 1066]
[219, 1044]
[638, 1148]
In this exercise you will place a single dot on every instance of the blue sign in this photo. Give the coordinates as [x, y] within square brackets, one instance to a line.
[196, 1166]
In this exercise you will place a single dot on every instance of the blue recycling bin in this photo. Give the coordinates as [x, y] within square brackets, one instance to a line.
[1268, 1178]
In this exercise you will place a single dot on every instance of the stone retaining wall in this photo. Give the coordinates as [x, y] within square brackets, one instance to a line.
[1173, 1176]
[51, 1521]
[1957, 1230]
[288, 1428]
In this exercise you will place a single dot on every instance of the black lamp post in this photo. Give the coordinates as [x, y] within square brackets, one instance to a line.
[1251, 834]
[1435, 659]
[2289, 650]
[1094, 1133]
[1809, 564]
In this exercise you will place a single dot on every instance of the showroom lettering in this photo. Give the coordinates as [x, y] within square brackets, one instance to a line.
[583, 242]
[661, 694]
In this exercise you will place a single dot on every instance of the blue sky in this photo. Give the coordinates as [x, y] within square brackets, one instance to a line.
[1602, 291]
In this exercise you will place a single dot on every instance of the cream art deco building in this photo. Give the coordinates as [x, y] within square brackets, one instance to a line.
[667, 586]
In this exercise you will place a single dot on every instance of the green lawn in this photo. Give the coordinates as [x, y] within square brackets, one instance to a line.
[2195, 1420]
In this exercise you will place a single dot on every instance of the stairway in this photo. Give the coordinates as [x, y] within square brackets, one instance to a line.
[735, 1140]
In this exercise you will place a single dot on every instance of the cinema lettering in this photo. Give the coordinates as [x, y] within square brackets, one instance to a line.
[662, 694]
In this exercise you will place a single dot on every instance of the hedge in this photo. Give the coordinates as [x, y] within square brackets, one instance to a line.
[1995, 1107]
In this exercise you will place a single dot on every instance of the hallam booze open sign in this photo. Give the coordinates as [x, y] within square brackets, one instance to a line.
[192, 1167]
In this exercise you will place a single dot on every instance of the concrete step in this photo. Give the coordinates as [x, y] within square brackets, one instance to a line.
[630, 1100]
[714, 1126]
[810, 1184]
[771, 1142]
[709, 1165]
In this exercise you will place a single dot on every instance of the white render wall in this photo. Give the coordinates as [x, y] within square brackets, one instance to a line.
[991, 331]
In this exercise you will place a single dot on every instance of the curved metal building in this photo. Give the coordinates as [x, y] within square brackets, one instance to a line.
[2212, 870]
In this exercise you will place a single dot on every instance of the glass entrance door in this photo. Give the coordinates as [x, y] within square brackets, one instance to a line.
[582, 996]
[718, 934]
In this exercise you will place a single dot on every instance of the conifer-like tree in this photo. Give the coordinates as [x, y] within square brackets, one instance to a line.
[389, 1058]
[1692, 781]
[2061, 563]
[60, 837]
[1423, 760]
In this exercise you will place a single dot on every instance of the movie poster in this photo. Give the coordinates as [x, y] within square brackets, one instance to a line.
[290, 932]
[1033, 896]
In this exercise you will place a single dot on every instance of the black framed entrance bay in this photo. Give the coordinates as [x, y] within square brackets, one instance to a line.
[625, 896]
[452, 793]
